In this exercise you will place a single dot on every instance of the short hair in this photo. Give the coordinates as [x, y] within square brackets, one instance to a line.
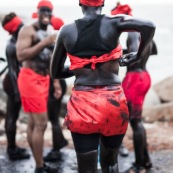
[8, 18]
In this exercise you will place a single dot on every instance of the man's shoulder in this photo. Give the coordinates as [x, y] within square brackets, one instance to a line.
[68, 28]
[28, 29]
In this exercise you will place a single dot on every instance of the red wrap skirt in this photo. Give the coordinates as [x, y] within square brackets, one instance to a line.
[33, 89]
[101, 109]
[136, 85]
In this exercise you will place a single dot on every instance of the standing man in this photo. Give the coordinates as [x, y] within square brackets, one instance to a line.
[34, 50]
[54, 106]
[136, 84]
[97, 109]
[12, 24]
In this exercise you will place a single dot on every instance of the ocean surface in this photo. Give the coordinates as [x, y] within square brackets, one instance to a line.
[159, 66]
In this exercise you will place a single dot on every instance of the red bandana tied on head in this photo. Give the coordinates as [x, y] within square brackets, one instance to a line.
[45, 3]
[92, 3]
[122, 9]
[13, 25]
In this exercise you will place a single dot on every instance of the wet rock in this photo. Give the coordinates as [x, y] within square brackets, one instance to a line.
[164, 89]
[162, 112]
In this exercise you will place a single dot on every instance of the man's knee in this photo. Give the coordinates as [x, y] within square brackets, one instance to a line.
[135, 122]
[41, 126]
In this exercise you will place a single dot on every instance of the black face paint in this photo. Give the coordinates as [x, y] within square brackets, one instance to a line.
[45, 11]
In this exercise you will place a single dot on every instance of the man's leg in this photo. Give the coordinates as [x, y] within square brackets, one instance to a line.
[86, 147]
[14, 152]
[109, 147]
[37, 137]
[58, 139]
[142, 158]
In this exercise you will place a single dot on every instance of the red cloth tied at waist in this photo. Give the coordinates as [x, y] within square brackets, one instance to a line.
[33, 89]
[93, 3]
[135, 85]
[122, 9]
[13, 25]
[77, 62]
[97, 109]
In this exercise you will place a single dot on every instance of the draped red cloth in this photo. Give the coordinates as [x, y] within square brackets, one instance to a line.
[136, 85]
[13, 25]
[93, 3]
[33, 89]
[97, 109]
[77, 62]
[45, 3]
[56, 22]
[122, 9]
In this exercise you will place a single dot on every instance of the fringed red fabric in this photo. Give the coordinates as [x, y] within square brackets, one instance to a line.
[13, 25]
[122, 9]
[77, 62]
[97, 110]
[45, 3]
[93, 3]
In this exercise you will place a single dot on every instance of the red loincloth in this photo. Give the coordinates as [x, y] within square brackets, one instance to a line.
[101, 109]
[33, 90]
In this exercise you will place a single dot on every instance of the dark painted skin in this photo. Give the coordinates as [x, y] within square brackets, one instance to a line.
[11, 89]
[110, 30]
[142, 158]
[105, 73]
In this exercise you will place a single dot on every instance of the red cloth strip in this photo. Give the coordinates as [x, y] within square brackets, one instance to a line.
[13, 25]
[77, 62]
[122, 9]
[93, 3]
[45, 3]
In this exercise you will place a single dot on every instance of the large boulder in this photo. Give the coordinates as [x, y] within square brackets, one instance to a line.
[164, 89]
[161, 112]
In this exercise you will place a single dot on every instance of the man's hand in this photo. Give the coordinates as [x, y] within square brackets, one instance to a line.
[49, 40]
[128, 59]
[57, 88]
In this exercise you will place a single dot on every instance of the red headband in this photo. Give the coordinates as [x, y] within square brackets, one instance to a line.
[122, 9]
[92, 3]
[45, 3]
[13, 25]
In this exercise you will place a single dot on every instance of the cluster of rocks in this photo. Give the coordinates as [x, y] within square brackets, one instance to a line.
[158, 105]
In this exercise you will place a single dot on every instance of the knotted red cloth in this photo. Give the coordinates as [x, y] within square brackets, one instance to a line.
[93, 3]
[13, 25]
[45, 3]
[77, 62]
[56, 22]
[122, 9]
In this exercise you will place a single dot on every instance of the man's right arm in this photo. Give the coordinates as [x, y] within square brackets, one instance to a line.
[25, 49]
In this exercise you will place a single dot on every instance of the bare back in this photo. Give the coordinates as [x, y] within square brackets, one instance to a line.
[105, 73]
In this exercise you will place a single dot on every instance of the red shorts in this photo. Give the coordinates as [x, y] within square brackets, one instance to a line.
[33, 90]
[136, 85]
[97, 110]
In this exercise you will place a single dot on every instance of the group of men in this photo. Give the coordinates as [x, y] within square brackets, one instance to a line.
[97, 112]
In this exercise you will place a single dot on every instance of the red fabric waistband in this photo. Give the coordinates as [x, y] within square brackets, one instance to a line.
[77, 62]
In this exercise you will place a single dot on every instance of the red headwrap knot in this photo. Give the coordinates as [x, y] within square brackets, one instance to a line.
[122, 9]
[13, 25]
[45, 3]
[92, 3]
